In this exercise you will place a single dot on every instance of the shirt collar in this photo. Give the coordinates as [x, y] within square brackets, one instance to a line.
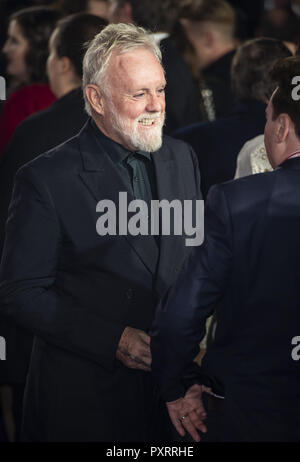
[117, 152]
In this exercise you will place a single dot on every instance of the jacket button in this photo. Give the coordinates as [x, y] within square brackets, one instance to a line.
[129, 294]
[177, 269]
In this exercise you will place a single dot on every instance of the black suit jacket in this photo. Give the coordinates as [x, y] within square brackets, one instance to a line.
[249, 267]
[77, 291]
[218, 143]
[38, 133]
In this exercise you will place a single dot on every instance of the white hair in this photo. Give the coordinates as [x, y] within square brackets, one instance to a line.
[114, 37]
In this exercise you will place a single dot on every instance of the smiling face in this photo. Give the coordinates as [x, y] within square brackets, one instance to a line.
[15, 49]
[133, 108]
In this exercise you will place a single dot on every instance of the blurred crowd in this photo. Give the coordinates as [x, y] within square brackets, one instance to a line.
[217, 56]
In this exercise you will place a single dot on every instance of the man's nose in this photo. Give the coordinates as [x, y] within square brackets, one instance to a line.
[156, 103]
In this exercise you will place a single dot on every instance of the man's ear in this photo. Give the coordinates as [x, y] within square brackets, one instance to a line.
[65, 64]
[209, 38]
[283, 128]
[95, 98]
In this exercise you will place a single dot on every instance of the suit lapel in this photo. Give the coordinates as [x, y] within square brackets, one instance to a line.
[100, 175]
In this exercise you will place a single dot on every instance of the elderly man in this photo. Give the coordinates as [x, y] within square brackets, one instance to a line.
[250, 261]
[85, 286]
[159, 17]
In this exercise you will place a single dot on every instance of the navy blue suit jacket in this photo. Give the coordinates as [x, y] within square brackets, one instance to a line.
[249, 267]
[218, 143]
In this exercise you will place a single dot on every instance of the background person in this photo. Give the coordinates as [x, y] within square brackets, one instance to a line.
[219, 142]
[250, 261]
[206, 36]
[26, 50]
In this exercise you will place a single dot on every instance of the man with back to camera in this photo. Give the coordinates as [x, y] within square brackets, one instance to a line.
[250, 261]
[90, 299]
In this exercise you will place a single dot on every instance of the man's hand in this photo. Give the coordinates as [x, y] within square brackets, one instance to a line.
[188, 413]
[134, 349]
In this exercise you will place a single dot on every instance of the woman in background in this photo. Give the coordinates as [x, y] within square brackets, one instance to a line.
[26, 51]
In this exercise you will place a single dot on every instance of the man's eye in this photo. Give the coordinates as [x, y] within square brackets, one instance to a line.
[161, 90]
[139, 95]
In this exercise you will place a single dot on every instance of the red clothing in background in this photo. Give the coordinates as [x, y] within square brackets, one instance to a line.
[22, 103]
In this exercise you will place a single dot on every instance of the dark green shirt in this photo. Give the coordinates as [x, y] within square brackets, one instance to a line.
[136, 168]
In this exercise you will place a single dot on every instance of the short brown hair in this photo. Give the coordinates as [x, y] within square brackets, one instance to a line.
[283, 102]
[153, 15]
[215, 11]
[251, 66]
[73, 34]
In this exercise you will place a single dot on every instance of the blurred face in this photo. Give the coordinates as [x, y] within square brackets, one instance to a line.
[114, 12]
[15, 49]
[196, 34]
[98, 8]
[134, 108]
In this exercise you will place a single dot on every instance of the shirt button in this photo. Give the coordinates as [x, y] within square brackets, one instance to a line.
[136, 178]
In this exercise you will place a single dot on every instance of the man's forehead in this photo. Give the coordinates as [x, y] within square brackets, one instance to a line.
[135, 65]
[137, 57]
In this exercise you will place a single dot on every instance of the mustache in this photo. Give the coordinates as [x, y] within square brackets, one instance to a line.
[155, 115]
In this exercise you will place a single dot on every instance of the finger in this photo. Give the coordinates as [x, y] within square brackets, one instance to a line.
[176, 423]
[146, 362]
[190, 428]
[198, 422]
[143, 353]
[142, 367]
[145, 338]
[206, 389]
[132, 364]
[201, 412]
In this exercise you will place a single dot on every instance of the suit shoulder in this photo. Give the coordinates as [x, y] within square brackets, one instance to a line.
[247, 189]
[58, 160]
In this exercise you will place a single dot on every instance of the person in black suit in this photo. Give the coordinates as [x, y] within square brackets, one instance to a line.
[89, 294]
[183, 101]
[38, 133]
[218, 143]
[249, 261]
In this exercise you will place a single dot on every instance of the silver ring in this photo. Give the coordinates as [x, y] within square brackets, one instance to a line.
[182, 418]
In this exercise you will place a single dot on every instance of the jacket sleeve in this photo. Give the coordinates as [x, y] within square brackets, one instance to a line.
[28, 290]
[180, 321]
